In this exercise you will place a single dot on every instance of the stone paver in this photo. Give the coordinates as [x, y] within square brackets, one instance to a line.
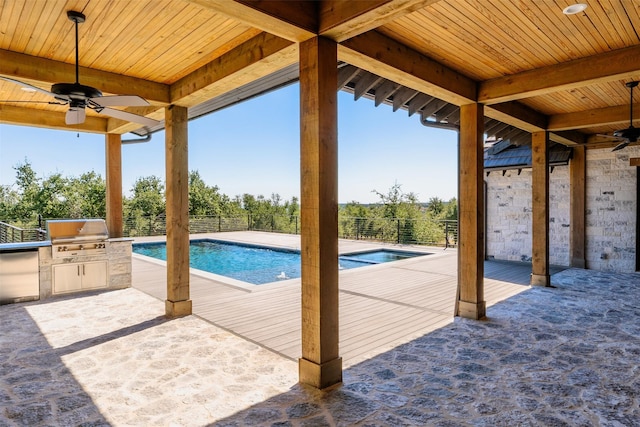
[563, 356]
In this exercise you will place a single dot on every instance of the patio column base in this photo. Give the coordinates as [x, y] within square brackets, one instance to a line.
[543, 280]
[320, 375]
[175, 309]
[472, 310]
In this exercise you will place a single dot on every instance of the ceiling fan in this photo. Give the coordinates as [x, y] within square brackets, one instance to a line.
[630, 134]
[79, 97]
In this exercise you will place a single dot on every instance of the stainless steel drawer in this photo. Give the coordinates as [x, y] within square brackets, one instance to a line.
[19, 279]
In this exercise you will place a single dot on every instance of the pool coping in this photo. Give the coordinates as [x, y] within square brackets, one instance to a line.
[250, 287]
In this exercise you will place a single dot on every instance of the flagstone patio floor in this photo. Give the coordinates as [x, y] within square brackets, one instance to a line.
[568, 355]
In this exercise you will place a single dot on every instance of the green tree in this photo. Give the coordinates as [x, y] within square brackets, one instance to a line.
[203, 199]
[450, 211]
[8, 200]
[87, 196]
[51, 197]
[148, 196]
[145, 210]
[435, 205]
[28, 186]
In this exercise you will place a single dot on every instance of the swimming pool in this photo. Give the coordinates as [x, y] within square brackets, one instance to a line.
[257, 264]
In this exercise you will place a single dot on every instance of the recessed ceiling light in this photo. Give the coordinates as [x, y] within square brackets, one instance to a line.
[574, 8]
[28, 89]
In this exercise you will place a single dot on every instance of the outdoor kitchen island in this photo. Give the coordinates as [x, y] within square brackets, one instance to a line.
[82, 257]
[29, 271]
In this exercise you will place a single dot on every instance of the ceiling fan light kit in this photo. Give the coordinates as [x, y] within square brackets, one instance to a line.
[79, 96]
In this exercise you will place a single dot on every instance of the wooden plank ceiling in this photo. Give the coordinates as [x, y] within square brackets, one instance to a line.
[533, 67]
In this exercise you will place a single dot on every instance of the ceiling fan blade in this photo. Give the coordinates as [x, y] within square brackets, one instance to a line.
[130, 117]
[75, 116]
[33, 102]
[32, 87]
[120, 101]
[620, 146]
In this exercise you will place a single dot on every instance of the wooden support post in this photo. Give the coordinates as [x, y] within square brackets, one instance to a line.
[113, 146]
[578, 190]
[471, 246]
[177, 199]
[540, 216]
[320, 364]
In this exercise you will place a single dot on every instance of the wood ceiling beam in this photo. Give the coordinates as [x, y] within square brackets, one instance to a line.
[387, 58]
[518, 115]
[47, 71]
[568, 137]
[291, 20]
[258, 57]
[13, 115]
[592, 118]
[610, 66]
[341, 20]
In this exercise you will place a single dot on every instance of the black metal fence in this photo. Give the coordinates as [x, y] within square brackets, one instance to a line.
[13, 234]
[403, 231]
[395, 230]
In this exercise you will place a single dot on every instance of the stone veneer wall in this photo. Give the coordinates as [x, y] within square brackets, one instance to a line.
[610, 216]
[509, 215]
[611, 210]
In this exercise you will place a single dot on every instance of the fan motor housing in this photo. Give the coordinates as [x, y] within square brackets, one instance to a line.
[75, 90]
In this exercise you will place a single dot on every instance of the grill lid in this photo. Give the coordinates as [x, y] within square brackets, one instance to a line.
[76, 230]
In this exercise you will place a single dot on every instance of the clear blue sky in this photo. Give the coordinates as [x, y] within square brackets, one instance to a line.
[253, 147]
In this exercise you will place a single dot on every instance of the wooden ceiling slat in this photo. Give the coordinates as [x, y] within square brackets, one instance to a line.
[435, 26]
[495, 40]
[523, 31]
[45, 26]
[444, 48]
[557, 29]
[93, 52]
[604, 19]
[621, 16]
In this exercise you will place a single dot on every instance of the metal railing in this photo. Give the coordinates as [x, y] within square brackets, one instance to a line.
[13, 234]
[391, 230]
[402, 231]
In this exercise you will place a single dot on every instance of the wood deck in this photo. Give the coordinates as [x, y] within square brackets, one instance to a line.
[381, 306]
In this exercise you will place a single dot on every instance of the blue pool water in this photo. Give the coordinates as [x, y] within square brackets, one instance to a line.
[380, 256]
[257, 264]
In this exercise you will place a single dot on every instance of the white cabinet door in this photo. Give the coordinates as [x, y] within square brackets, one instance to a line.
[67, 278]
[94, 275]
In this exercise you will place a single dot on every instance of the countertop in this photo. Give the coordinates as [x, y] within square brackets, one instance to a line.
[23, 246]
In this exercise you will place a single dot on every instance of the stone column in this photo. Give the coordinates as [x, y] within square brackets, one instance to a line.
[177, 199]
[540, 216]
[320, 364]
[471, 247]
[578, 194]
[113, 147]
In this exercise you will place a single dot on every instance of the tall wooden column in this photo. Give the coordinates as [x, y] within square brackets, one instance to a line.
[177, 197]
[577, 197]
[320, 365]
[113, 147]
[471, 246]
[540, 216]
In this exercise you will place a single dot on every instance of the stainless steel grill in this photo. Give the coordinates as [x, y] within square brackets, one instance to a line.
[77, 237]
